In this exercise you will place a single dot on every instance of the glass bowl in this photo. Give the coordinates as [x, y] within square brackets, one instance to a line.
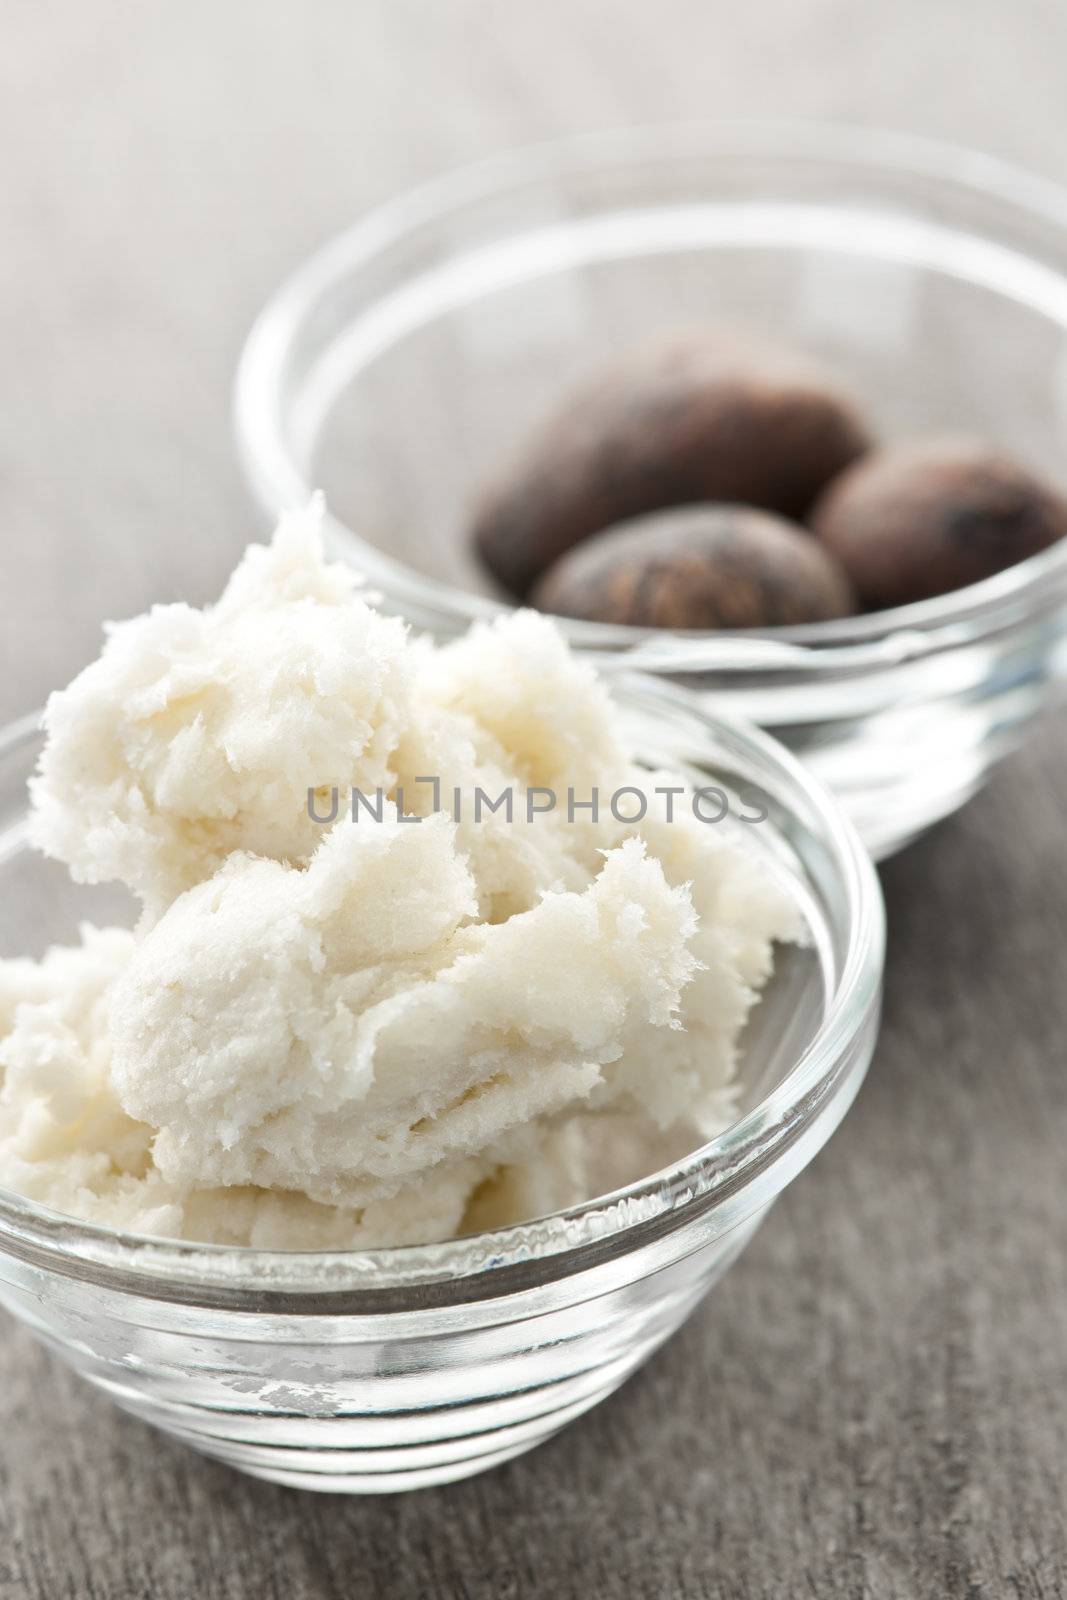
[401, 364]
[392, 1369]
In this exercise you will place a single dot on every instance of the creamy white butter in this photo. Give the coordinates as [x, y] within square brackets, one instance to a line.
[372, 1031]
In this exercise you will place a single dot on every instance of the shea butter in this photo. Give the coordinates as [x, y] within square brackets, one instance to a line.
[403, 966]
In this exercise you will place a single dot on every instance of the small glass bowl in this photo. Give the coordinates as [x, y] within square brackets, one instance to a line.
[392, 1369]
[400, 365]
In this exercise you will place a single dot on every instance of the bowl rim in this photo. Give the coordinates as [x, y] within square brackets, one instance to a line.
[506, 1260]
[869, 641]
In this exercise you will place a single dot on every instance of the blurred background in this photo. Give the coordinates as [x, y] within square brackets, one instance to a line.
[165, 166]
[870, 1406]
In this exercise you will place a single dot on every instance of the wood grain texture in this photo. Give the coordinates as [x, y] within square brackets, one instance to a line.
[872, 1404]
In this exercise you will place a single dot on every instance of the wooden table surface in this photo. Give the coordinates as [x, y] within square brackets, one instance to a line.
[874, 1403]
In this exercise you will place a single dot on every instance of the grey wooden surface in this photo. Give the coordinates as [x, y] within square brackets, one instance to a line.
[874, 1403]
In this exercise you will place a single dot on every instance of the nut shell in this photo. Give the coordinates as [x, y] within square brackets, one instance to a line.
[701, 417]
[699, 567]
[918, 520]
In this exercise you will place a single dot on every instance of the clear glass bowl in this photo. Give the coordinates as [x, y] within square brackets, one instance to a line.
[400, 365]
[392, 1369]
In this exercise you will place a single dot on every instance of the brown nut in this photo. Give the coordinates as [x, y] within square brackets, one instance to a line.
[702, 417]
[699, 567]
[917, 520]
